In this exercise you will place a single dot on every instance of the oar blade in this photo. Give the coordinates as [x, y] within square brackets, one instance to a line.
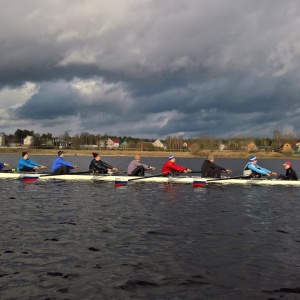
[29, 178]
[199, 182]
[120, 182]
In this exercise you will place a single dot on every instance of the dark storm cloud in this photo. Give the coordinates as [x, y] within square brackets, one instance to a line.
[60, 99]
[192, 67]
[50, 103]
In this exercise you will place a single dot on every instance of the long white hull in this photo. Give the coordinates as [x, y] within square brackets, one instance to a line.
[257, 181]
[93, 177]
[177, 179]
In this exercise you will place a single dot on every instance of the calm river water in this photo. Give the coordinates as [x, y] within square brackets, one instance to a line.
[89, 240]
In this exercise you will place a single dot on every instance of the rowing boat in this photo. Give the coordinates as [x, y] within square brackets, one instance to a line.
[99, 177]
[195, 180]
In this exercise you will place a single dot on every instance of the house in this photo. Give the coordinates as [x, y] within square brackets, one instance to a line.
[101, 144]
[248, 146]
[61, 144]
[113, 143]
[186, 146]
[2, 139]
[28, 141]
[124, 144]
[158, 144]
[285, 147]
[296, 145]
[222, 147]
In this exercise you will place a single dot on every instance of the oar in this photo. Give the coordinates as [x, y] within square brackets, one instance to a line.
[229, 178]
[120, 182]
[80, 173]
[75, 173]
[145, 177]
[10, 170]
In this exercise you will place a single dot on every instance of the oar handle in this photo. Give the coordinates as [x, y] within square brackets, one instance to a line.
[9, 170]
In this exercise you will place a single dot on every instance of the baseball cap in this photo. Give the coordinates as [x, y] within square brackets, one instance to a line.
[253, 158]
[171, 156]
[288, 163]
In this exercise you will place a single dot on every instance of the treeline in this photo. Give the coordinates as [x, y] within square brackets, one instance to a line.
[77, 140]
[174, 142]
[233, 143]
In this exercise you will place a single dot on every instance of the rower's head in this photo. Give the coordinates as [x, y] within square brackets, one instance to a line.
[137, 158]
[172, 158]
[25, 155]
[96, 156]
[253, 159]
[61, 153]
[210, 158]
[287, 165]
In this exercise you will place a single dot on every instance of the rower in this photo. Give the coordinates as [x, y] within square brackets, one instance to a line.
[210, 169]
[27, 165]
[171, 168]
[254, 171]
[136, 168]
[60, 166]
[290, 173]
[99, 166]
[3, 165]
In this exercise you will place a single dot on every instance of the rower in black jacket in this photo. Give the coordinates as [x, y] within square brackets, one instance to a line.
[290, 173]
[210, 169]
[99, 166]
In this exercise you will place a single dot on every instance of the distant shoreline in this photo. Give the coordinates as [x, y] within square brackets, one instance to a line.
[205, 153]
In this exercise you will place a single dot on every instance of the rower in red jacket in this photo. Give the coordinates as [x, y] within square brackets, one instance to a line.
[169, 168]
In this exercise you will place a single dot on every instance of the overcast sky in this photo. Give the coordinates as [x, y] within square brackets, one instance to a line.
[146, 68]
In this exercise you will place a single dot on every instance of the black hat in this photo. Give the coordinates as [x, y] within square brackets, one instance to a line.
[60, 153]
[95, 154]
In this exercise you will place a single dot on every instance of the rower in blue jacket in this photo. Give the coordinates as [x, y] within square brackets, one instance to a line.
[254, 171]
[27, 165]
[60, 166]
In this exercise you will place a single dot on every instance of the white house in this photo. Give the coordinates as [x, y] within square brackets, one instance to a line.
[222, 147]
[113, 143]
[158, 144]
[28, 141]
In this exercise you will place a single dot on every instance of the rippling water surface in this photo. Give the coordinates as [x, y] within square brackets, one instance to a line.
[89, 240]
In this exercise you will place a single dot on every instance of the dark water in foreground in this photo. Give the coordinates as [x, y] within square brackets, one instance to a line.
[88, 240]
